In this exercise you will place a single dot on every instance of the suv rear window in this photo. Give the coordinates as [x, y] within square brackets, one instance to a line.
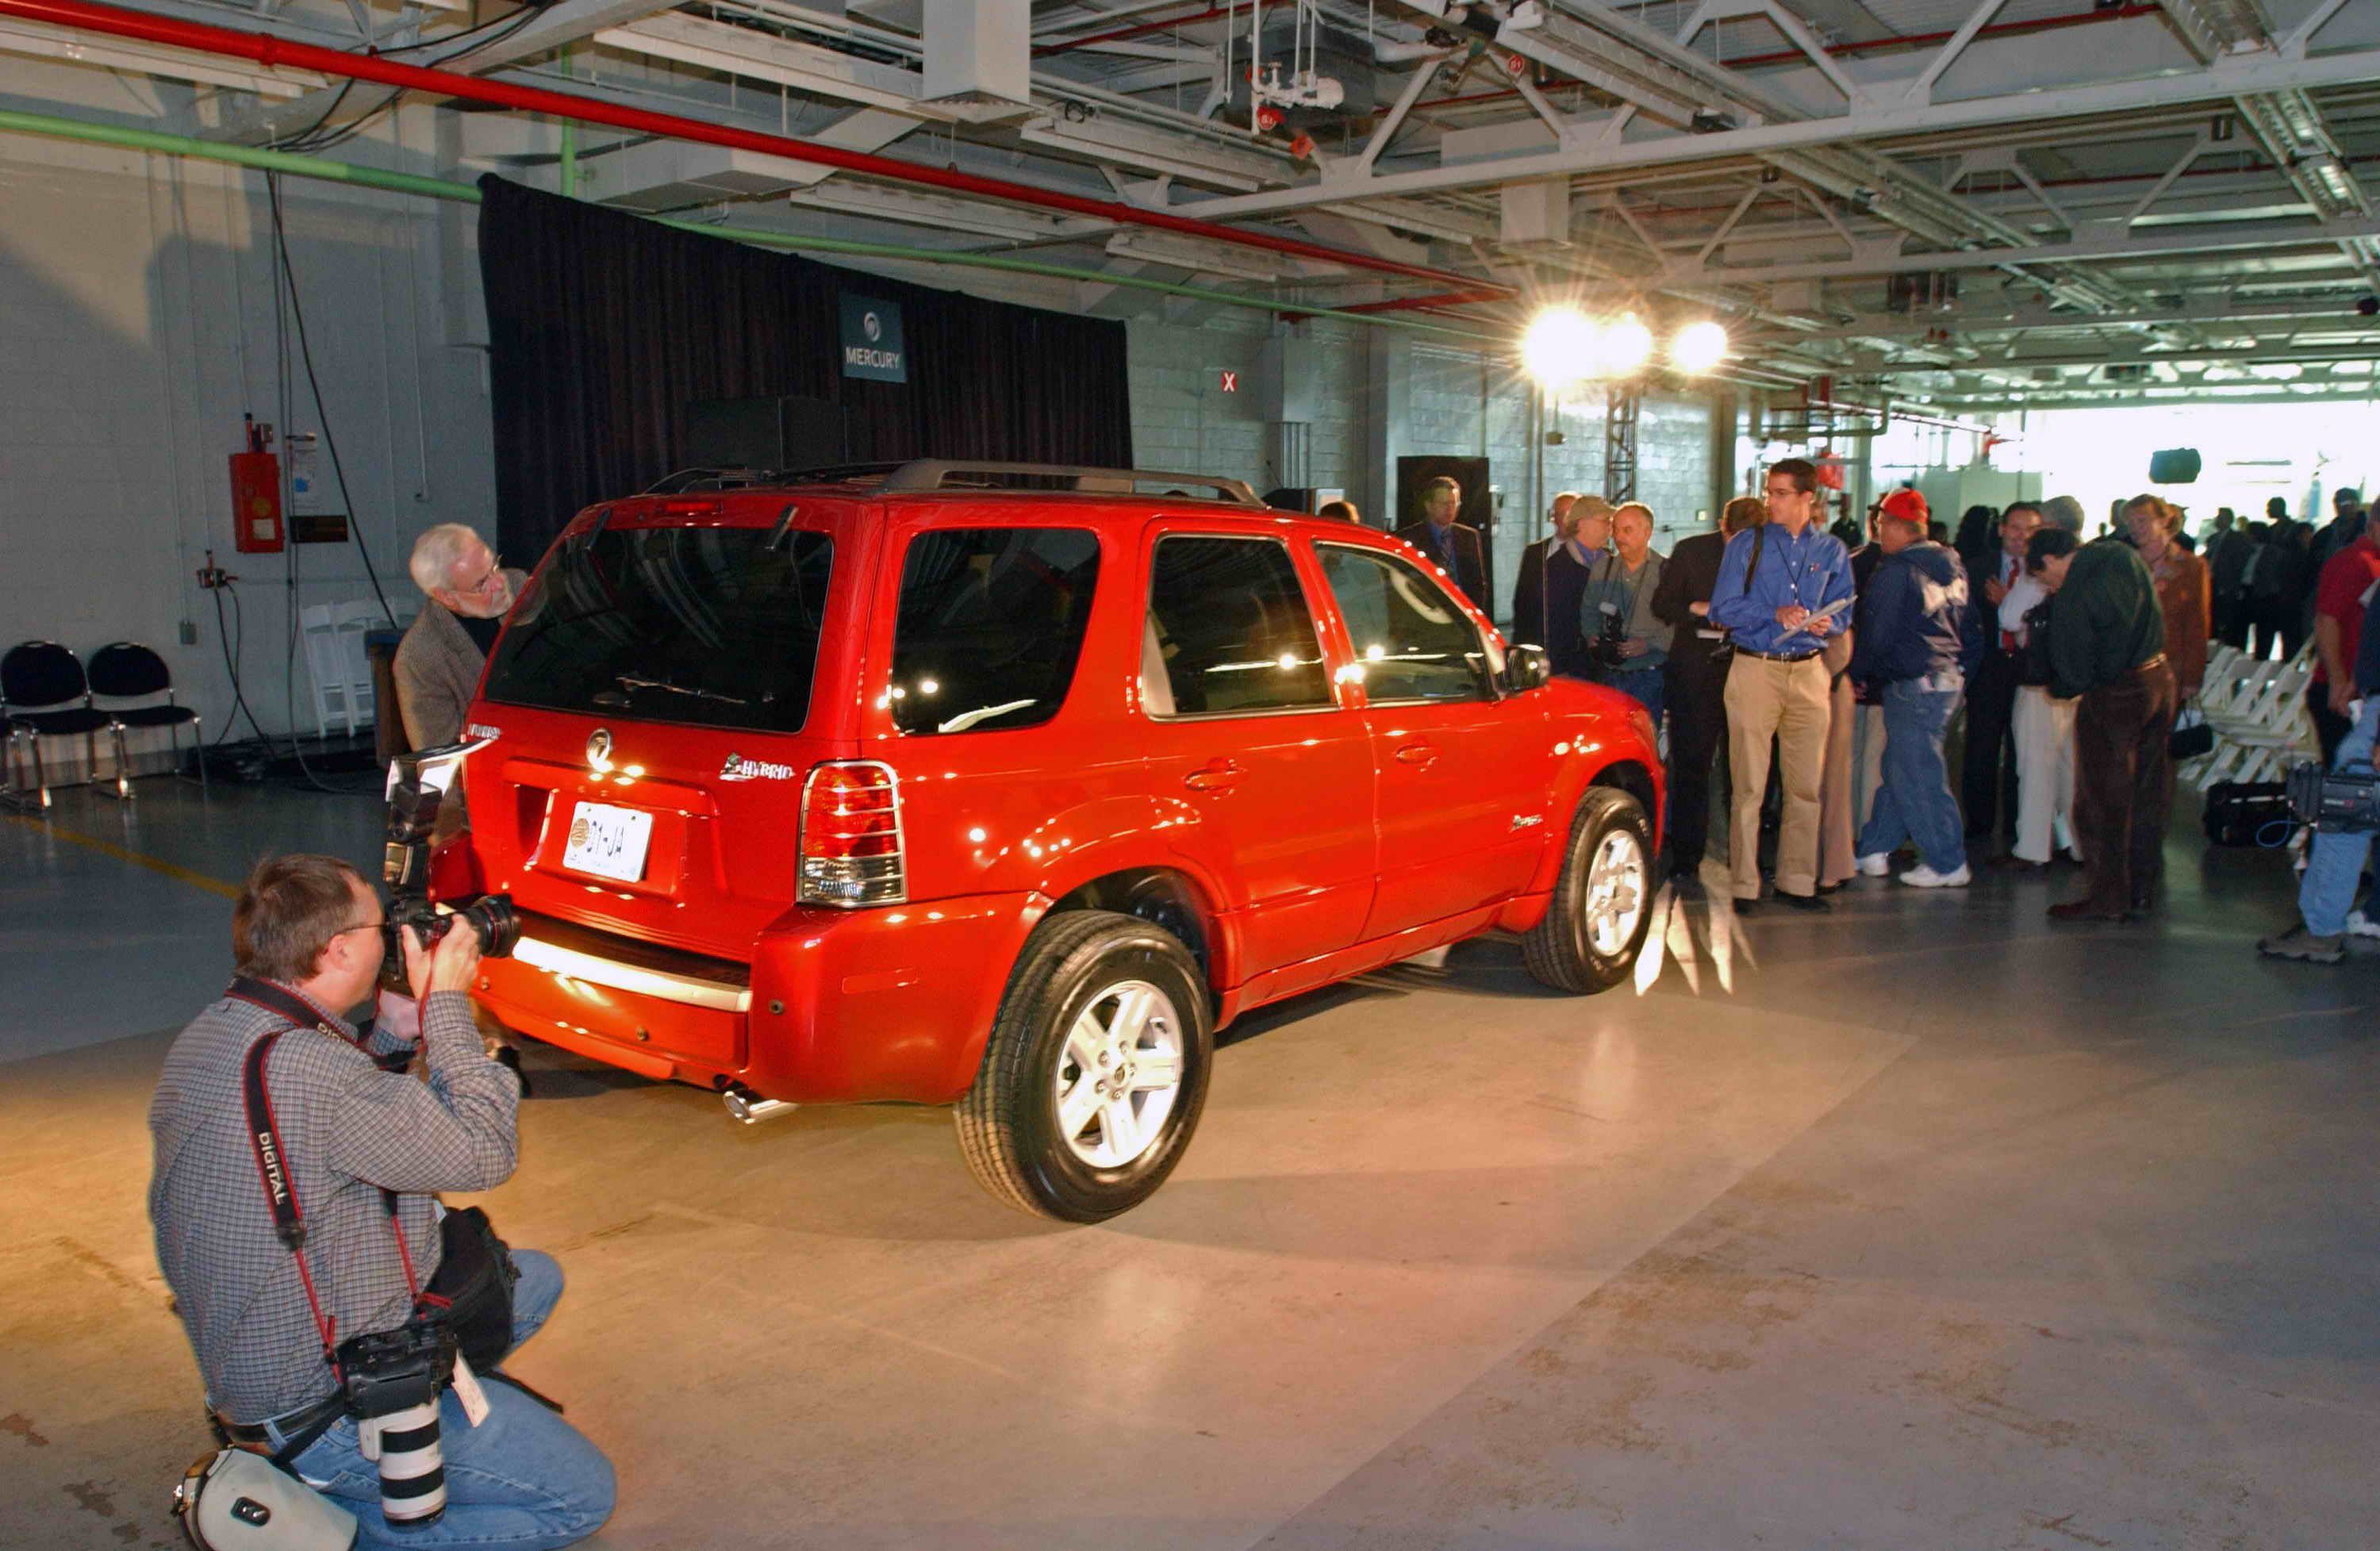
[990, 627]
[715, 627]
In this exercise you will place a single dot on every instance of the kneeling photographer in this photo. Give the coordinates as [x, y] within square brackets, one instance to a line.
[337, 1311]
[2342, 842]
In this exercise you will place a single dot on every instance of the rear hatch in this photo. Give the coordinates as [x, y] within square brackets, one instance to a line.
[664, 685]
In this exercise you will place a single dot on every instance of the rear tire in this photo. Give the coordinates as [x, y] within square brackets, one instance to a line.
[1096, 1070]
[1603, 901]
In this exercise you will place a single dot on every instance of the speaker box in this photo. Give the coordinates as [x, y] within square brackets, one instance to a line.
[789, 433]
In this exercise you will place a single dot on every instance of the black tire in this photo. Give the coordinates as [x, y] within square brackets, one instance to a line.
[1008, 1124]
[1561, 951]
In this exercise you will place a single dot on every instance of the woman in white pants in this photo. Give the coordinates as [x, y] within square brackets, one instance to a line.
[2043, 727]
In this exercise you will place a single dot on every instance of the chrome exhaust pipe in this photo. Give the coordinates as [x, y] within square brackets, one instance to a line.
[750, 1107]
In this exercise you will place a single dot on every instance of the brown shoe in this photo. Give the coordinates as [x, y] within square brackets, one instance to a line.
[2013, 862]
[2082, 910]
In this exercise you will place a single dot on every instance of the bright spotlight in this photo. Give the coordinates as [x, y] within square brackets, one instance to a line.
[1698, 346]
[1560, 347]
[1626, 346]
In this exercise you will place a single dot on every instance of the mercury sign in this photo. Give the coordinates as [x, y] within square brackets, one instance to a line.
[871, 340]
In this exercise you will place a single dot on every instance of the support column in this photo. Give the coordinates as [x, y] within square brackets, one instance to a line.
[1388, 410]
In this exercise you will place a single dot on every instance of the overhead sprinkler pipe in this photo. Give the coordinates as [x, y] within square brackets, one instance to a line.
[273, 53]
[291, 165]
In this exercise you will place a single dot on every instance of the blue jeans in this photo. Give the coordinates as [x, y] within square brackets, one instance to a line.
[1914, 802]
[2336, 864]
[1640, 685]
[523, 1479]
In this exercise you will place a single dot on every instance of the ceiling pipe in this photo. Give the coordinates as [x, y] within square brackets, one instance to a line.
[271, 51]
[290, 164]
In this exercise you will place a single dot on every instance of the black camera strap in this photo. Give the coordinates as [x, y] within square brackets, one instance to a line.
[272, 1153]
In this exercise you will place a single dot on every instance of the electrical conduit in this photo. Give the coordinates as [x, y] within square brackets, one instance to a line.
[273, 51]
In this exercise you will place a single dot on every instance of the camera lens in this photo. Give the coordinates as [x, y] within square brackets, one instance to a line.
[492, 916]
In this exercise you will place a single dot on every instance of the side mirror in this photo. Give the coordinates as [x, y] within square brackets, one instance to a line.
[1526, 668]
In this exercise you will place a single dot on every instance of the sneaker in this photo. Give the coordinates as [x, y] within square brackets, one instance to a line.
[2302, 945]
[1924, 876]
[2360, 925]
[1877, 865]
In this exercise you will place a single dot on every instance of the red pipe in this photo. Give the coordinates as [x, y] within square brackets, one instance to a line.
[1430, 303]
[270, 52]
[1210, 13]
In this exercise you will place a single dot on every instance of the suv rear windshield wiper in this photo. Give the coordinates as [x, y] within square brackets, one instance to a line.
[630, 682]
[965, 719]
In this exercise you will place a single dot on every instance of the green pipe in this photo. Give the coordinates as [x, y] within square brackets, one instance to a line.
[569, 140]
[463, 193]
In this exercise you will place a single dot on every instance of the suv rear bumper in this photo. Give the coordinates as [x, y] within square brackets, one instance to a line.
[834, 1006]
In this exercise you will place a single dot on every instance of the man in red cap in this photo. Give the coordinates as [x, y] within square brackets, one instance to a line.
[1918, 639]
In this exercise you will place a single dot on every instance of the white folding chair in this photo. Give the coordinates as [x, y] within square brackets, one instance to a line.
[336, 660]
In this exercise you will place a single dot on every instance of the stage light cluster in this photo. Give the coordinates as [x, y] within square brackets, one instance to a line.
[1564, 346]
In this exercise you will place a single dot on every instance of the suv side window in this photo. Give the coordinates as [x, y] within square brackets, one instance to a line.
[1414, 642]
[1228, 623]
[990, 627]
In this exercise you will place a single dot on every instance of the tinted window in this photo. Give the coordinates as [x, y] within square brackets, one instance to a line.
[1412, 641]
[991, 621]
[717, 627]
[1229, 623]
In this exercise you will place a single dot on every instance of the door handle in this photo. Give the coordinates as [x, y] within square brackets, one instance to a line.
[1417, 753]
[1215, 775]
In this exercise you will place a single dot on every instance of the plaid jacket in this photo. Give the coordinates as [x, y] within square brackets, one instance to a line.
[349, 1130]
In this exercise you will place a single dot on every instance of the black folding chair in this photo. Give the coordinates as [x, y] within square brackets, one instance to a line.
[129, 671]
[39, 681]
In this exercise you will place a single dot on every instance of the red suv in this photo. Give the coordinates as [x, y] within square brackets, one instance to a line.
[906, 783]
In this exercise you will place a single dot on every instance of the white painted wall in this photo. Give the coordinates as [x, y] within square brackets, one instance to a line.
[136, 322]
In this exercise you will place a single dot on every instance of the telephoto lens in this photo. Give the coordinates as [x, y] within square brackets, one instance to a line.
[412, 1465]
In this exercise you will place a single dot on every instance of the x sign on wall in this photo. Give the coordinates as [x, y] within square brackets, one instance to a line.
[1231, 381]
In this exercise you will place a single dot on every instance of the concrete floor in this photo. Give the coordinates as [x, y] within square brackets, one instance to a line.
[1925, 1224]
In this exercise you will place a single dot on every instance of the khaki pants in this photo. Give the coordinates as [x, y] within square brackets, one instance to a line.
[1789, 702]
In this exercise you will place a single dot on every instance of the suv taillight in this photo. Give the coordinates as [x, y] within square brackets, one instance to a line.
[850, 836]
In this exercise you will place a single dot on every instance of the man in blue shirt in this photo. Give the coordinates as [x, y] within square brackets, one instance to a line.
[1784, 589]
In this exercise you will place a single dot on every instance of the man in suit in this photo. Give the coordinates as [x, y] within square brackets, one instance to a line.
[1584, 517]
[1697, 683]
[438, 662]
[1529, 587]
[1453, 545]
[1988, 781]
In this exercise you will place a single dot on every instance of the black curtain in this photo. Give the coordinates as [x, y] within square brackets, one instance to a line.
[603, 327]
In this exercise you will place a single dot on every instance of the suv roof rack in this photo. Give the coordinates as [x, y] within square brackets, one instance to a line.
[934, 474]
[938, 474]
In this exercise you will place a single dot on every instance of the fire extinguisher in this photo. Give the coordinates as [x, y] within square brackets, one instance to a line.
[256, 494]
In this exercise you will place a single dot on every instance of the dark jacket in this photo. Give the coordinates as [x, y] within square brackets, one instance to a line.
[2105, 619]
[1696, 644]
[1529, 593]
[1917, 619]
[1468, 567]
[1565, 642]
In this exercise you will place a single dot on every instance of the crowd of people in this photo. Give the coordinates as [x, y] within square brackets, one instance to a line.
[1818, 673]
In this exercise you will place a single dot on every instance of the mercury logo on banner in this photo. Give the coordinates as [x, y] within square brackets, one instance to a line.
[871, 340]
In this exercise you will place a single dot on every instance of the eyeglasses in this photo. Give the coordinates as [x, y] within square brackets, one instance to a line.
[495, 570]
[362, 926]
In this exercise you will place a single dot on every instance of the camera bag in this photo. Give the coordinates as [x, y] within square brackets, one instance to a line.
[475, 1279]
[2240, 812]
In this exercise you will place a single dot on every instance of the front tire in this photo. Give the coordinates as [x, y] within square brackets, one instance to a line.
[1096, 1070]
[1603, 901]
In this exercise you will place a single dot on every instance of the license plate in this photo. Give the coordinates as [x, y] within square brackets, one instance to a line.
[608, 842]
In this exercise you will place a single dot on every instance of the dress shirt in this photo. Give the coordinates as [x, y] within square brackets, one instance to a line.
[1813, 570]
